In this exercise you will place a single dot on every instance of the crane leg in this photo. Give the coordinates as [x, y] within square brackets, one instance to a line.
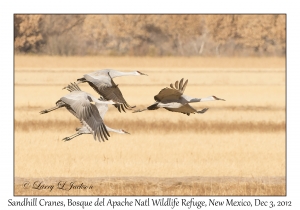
[51, 109]
[202, 111]
[152, 107]
[139, 110]
[71, 137]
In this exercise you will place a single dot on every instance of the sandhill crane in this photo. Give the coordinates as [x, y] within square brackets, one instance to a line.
[102, 82]
[102, 109]
[172, 99]
[79, 103]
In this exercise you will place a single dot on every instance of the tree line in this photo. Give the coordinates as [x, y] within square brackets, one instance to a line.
[151, 35]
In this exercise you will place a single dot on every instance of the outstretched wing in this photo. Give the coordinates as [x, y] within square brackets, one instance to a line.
[72, 87]
[187, 109]
[78, 103]
[181, 87]
[167, 94]
[95, 124]
[105, 86]
[98, 82]
[114, 93]
[173, 93]
[102, 108]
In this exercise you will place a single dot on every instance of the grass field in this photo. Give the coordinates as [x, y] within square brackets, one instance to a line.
[236, 148]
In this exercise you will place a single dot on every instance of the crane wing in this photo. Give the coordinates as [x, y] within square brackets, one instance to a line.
[72, 87]
[102, 108]
[79, 103]
[106, 87]
[187, 109]
[98, 83]
[173, 93]
[114, 93]
[181, 87]
[95, 124]
[167, 94]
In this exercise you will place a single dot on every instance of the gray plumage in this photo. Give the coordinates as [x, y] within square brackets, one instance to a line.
[79, 103]
[102, 82]
[102, 109]
[173, 99]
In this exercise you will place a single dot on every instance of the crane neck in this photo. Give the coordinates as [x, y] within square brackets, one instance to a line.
[113, 73]
[113, 130]
[210, 98]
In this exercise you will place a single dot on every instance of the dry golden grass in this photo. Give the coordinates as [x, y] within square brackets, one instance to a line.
[236, 96]
[159, 154]
[190, 186]
[57, 63]
[151, 153]
[165, 126]
[241, 137]
[159, 79]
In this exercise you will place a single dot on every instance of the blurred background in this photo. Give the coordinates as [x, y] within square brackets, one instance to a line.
[151, 35]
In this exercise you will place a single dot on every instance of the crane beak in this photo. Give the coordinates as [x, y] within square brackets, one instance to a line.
[142, 73]
[219, 98]
[125, 132]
